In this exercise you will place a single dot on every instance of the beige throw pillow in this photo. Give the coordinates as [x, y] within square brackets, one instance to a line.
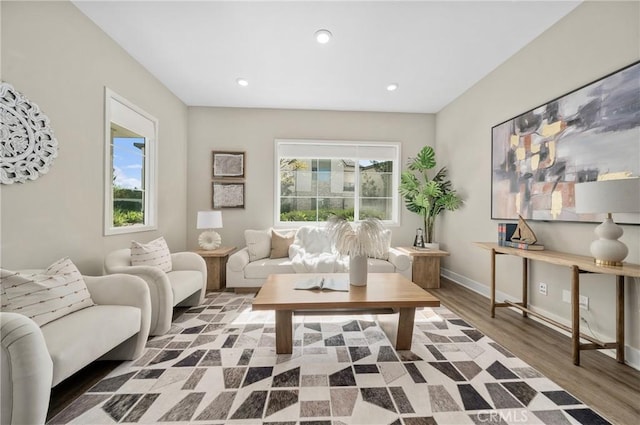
[155, 253]
[258, 244]
[45, 297]
[280, 244]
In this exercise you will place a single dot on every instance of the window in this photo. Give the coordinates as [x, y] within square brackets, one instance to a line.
[315, 179]
[131, 137]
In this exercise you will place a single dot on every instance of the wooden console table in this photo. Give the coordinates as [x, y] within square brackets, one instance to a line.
[578, 264]
[425, 270]
[216, 260]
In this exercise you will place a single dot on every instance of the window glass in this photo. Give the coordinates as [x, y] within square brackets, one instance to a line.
[130, 204]
[355, 186]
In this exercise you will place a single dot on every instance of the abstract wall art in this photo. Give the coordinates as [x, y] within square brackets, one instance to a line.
[589, 134]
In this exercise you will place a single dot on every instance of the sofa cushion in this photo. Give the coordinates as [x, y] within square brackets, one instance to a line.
[313, 240]
[155, 253]
[45, 297]
[77, 339]
[386, 241]
[280, 243]
[184, 283]
[258, 243]
[260, 269]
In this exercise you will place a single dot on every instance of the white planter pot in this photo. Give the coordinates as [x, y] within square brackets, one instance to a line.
[358, 270]
[432, 245]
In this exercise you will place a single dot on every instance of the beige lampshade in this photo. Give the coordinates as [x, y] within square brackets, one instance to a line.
[209, 220]
[608, 196]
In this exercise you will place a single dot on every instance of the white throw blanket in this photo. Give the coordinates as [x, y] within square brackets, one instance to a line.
[312, 252]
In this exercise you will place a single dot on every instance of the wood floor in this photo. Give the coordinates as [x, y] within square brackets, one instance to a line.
[612, 389]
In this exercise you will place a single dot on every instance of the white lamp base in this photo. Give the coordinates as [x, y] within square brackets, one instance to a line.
[209, 240]
[607, 250]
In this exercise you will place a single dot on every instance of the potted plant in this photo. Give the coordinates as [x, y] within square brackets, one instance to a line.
[359, 241]
[427, 196]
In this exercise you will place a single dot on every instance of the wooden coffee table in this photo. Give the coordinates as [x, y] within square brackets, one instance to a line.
[383, 290]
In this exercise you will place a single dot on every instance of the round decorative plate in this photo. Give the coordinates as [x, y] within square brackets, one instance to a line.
[27, 144]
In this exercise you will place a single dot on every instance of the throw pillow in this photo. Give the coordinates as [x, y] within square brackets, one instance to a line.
[280, 244]
[258, 244]
[155, 253]
[45, 297]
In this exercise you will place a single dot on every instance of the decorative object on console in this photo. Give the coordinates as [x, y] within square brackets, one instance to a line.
[427, 196]
[209, 239]
[522, 237]
[359, 241]
[538, 156]
[228, 164]
[27, 144]
[608, 196]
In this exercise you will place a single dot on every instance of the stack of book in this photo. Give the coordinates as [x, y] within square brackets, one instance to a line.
[505, 231]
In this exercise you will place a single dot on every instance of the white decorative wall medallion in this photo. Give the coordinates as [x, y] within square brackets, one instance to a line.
[27, 144]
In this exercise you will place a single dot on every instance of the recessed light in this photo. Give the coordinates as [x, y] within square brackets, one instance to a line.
[392, 87]
[323, 36]
[242, 82]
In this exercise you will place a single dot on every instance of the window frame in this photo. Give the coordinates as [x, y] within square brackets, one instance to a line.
[340, 145]
[150, 189]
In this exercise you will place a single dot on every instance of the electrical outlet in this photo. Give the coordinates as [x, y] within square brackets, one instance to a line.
[583, 301]
[542, 288]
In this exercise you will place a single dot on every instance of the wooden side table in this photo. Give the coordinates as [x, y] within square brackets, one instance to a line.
[426, 266]
[216, 260]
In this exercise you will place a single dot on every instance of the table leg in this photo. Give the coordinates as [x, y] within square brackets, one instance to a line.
[575, 314]
[405, 328]
[620, 319]
[284, 332]
[525, 285]
[493, 283]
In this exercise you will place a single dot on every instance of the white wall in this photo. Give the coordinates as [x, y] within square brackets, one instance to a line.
[592, 41]
[254, 131]
[60, 60]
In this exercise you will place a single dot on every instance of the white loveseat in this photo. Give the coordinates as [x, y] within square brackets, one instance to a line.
[35, 359]
[310, 251]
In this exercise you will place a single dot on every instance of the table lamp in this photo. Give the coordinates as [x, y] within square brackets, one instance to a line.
[608, 196]
[209, 240]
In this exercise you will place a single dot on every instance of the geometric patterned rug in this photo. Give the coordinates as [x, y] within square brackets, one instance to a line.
[217, 365]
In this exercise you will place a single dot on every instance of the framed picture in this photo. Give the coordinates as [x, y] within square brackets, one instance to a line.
[589, 134]
[228, 195]
[228, 164]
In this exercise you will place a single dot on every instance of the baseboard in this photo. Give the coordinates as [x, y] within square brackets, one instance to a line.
[631, 354]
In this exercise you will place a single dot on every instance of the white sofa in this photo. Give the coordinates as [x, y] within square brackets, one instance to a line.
[311, 251]
[184, 285]
[34, 359]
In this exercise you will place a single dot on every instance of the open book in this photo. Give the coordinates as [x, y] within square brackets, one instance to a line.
[323, 282]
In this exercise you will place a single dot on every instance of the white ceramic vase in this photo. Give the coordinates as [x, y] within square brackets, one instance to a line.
[358, 270]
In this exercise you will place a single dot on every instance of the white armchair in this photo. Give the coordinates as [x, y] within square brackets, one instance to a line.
[184, 285]
[34, 359]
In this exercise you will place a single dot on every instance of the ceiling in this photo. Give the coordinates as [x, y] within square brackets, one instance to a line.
[434, 50]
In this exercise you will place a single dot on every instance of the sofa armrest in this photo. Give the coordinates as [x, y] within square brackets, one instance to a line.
[399, 259]
[159, 289]
[27, 371]
[238, 260]
[188, 261]
[124, 289]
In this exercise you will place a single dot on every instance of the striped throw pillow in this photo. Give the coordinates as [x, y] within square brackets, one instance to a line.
[45, 297]
[155, 253]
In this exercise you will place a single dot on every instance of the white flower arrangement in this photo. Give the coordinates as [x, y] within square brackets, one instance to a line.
[363, 238]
